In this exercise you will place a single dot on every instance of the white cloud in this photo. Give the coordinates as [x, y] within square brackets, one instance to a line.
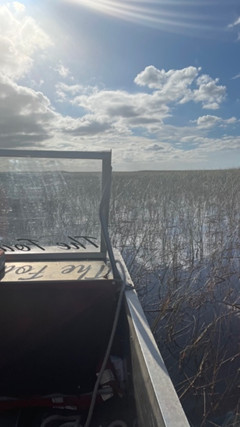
[237, 76]
[234, 26]
[62, 70]
[170, 86]
[65, 92]
[208, 93]
[207, 121]
[211, 121]
[26, 115]
[111, 118]
[19, 7]
[131, 123]
[163, 80]
[124, 110]
[236, 22]
[178, 86]
[85, 126]
[20, 38]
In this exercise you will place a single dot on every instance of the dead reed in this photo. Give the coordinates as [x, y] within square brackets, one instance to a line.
[179, 233]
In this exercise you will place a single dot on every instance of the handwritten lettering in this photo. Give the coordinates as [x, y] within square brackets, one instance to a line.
[85, 269]
[76, 243]
[28, 245]
[78, 269]
[9, 268]
[64, 246]
[33, 273]
[73, 272]
[24, 269]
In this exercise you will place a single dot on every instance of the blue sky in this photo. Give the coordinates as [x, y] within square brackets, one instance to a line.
[155, 81]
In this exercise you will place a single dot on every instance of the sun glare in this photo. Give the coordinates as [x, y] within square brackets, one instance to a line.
[167, 15]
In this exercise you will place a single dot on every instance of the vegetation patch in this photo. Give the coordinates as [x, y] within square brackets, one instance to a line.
[179, 233]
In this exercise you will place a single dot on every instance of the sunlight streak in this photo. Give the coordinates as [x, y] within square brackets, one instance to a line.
[166, 15]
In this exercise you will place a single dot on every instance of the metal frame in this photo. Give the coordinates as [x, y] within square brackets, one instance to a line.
[156, 400]
[105, 157]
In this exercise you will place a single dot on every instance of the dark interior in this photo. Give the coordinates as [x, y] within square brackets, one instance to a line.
[53, 335]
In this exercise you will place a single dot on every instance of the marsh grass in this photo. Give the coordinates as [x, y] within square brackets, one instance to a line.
[179, 233]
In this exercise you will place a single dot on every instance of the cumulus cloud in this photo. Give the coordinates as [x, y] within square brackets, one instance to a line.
[155, 147]
[26, 116]
[124, 109]
[83, 126]
[209, 93]
[209, 121]
[161, 79]
[183, 86]
[65, 92]
[20, 38]
[134, 122]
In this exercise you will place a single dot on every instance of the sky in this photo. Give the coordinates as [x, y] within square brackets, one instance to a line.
[157, 82]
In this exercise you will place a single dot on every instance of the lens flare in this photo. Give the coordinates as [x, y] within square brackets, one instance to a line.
[168, 15]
